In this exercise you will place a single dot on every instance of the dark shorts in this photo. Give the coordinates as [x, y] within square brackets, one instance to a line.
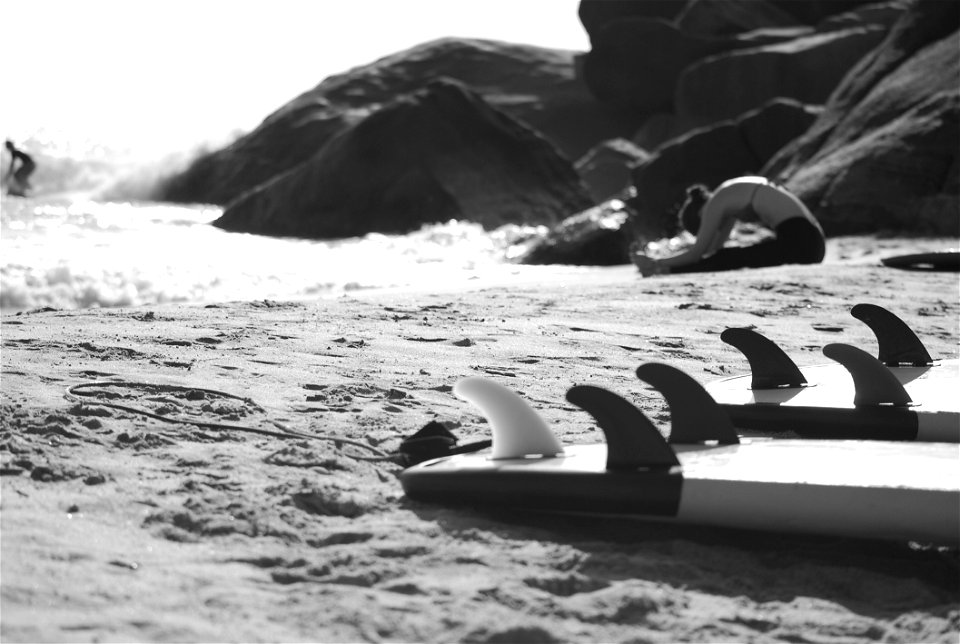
[797, 241]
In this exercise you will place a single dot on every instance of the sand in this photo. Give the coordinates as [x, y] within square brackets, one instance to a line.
[119, 527]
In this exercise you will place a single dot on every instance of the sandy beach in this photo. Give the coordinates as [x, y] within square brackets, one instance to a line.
[119, 527]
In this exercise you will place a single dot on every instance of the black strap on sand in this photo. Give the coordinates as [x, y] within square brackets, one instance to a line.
[899, 345]
[434, 440]
[633, 442]
[695, 417]
[770, 366]
[874, 383]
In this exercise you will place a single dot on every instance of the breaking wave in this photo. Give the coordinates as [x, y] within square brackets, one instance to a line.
[65, 253]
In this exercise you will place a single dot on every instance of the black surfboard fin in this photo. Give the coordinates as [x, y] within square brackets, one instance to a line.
[633, 442]
[899, 345]
[770, 366]
[874, 384]
[695, 417]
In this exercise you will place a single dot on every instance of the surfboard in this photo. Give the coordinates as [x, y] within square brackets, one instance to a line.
[704, 475]
[902, 394]
[941, 260]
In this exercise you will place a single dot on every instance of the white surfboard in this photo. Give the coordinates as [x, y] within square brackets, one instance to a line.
[903, 394]
[705, 475]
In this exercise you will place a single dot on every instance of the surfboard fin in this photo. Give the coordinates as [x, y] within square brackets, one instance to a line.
[633, 442]
[518, 430]
[695, 417]
[899, 345]
[770, 366]
[874, 384]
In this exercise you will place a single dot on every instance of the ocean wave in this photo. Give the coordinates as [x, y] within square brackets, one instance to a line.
[81, 254]
[65, 287]
[77, 166]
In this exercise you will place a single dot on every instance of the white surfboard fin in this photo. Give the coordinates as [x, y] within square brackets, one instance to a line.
[518, 430]
[770, 366]
[899, 345]
[633, 442]
[695, 417]
[874, 384]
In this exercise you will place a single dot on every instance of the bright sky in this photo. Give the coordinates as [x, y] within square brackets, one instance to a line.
[166, 74]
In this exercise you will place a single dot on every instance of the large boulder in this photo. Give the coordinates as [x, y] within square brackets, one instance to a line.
[812, 12]
[884, 152]
[432, 155]
[598, 236]
[606, 168]
[639, 49]
[596, 14]
[712, 16]
[806, 69]
[634, 62]
[536, 85]
[711, 155]
[800, 62]
[285, 139]
[880, 13]
[731, 17]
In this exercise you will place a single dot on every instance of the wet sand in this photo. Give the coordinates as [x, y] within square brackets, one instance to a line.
[121, 527]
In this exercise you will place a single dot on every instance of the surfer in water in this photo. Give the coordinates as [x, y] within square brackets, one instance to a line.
[18, 175]
[799, 238]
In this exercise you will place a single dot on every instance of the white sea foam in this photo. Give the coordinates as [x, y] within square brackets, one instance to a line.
[77, 254]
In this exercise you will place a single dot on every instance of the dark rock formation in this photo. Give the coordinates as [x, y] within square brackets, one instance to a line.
[635, 62]
[712, 16]
[536, 85]
[880, 13]
[882, 155]
[811, 12]
[806, 69]
[658, 129]
[285, 139]
[800, 62]
[436, 154]
[349, 157]
[596, 14]
[884, 152]
[710, 156]
[596, 237]
[606, 168]
[731, 17]
[639, 49]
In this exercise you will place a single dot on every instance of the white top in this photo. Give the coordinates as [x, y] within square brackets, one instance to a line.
[736, 199]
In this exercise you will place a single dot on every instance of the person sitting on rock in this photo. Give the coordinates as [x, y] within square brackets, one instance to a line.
[18, 178]
[799, 238]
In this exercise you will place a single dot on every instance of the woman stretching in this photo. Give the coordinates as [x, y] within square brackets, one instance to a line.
[799, 237]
